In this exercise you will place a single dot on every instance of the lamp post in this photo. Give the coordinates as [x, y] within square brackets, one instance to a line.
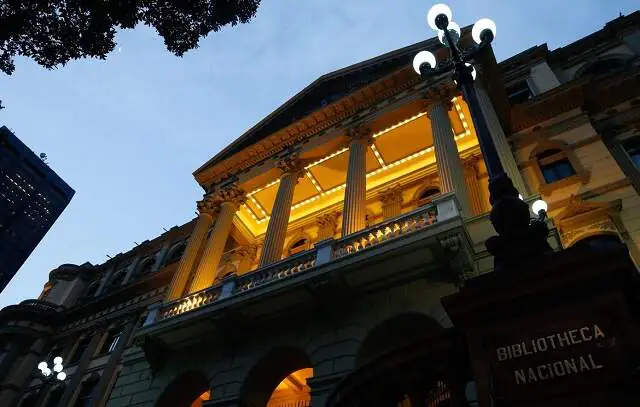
[518, 236]
[47, 374]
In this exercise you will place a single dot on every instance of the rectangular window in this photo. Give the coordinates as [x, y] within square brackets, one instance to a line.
[519, 92]
[557, 170]
[111, 342]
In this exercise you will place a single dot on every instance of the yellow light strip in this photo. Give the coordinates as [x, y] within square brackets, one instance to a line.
[377, 154]
[467, 131]
[400, 124]
[384, 166]
[255, 191]
[314, 181]
[330, 156]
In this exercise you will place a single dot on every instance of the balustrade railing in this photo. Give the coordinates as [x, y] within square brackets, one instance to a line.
[388, 230]
[277, 271]
[391, 229]
[193, 301]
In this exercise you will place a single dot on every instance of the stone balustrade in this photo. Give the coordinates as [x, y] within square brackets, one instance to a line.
[326, 251]
[391, 229]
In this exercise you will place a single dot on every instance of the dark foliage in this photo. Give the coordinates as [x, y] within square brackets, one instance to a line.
[54, 32]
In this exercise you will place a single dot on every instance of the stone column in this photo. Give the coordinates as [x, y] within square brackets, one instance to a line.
[447, 157]
[73, 385]
[391, 203]
[227, 199]
[199, 233]
[473, 185]
[327, 225]
[109, 371]
[277, 228]
[20, 373]
[355, 195]
[500, 140]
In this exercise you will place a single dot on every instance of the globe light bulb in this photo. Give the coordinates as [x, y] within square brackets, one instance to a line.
[57, 368]
[435, 11]
[61, 376]
[423, 57]
[42, 366]
[57, 360]
[520, 197]
[539, 206]
[480, 26]
[455, 34]
[46, 371]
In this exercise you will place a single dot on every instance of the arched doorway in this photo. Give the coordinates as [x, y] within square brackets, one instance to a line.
[279, 380]
[393, 333]
[189, 389]
[406, 361]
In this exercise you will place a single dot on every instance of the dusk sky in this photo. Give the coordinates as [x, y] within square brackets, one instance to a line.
[128, 132]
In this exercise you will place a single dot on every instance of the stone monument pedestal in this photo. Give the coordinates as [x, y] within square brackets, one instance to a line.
[560, 331]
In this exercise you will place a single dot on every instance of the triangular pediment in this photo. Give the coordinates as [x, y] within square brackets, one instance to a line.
[325, 90]
[577, 207]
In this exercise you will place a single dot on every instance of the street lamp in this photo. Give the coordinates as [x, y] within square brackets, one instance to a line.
[47, 373]
[518, 236]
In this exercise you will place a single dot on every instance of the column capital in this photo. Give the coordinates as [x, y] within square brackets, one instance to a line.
[438, 94]
[328, 219]
[290, 164]
[360, 132]
[230, 193]
[391, 195]
[206, 206]
[471, 161]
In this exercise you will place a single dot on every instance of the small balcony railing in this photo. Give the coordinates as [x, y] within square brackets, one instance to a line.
[324, 252]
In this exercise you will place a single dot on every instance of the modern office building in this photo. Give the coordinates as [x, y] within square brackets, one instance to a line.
[329, 233]
[32, 196]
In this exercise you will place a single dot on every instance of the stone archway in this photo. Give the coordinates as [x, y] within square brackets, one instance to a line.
[187, 390]
[280, 367]
[393, 333]
[408, 360]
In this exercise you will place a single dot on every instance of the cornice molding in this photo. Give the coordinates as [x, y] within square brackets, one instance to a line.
[311, 125]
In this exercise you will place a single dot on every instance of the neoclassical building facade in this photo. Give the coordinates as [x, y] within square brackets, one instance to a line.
[328, 233]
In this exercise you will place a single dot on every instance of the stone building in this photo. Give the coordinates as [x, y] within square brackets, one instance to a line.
[329, 232]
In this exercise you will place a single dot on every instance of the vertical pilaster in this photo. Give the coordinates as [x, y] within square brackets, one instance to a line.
[327, 225]
[76, 379]
[391, 203]
[107, 377]
[20, 373]
[355, 194]
[500, 140]
[199, 233]
[227, 199]
[447, 158]
[473, 186]
[279, 220]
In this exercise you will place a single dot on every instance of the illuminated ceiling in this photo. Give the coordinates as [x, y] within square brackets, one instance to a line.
[398, 149]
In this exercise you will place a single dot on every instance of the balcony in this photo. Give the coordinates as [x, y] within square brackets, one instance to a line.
[425, 239]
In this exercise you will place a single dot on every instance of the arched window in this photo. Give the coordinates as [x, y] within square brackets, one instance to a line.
[117, 279]
[175, 254]
[632, 147]
[146, 266]
[554, 165]
[91, 291]
[427, 195]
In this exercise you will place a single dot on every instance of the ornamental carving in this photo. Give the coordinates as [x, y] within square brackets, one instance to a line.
[228, 193]
[207, 206]
[436, 94]
[362, 132]
[290, 163]
[580, 219]
[391, 196]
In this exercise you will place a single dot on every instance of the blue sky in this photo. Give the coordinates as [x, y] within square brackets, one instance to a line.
[128, 132]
